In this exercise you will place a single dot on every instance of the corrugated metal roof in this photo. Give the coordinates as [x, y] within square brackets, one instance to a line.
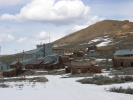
[123, 52]
[2, 63]
[34, 51]
[92, 50]
[14, 62]
[8, 70]
[53, 55]
[36, 62]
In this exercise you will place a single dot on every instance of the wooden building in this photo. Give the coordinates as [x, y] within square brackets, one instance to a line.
[17, 65]
[64, 59]
[46, 64]
[123, 58]
[92, 53]
[95, 69]
[10, 72]
[52, 65]
[80, 67]
[92, 47]
[78, 54]
[34, 64]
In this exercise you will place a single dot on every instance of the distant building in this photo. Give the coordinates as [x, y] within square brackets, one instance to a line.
[3, 66]
[9, 72]
[80, 67]
[92, 47]
[92, 53]
[17, 65]
[40, 52]
[123, 58]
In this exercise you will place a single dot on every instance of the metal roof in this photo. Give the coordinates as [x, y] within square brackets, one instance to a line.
[8, 70]
[92, 50]
[36, 62]
[2, 63]
[14, 62]
[34, 51]
[53, 55]
[123, 52]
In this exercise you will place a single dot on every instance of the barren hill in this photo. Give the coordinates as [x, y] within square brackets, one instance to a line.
[97, 29]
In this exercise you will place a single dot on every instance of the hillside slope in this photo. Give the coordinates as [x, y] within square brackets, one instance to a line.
[97, 29]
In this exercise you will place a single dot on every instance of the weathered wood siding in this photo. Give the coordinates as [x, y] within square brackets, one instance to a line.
[95, 69]
[10, 73]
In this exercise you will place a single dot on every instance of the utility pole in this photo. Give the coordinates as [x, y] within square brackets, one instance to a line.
[49, 37]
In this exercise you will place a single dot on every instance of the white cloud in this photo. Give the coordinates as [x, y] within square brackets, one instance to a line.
[22, 40]
[41, 36]
[33, 40]
[12, 2]
[91, 20]
[6, 37]
[50, 11]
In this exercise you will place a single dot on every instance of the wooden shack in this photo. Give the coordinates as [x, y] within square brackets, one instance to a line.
[64, 59]
[123, 58]
[80, 67]
[78, 54]
[34, 64]
[17, 65]
[47, 64]
[92, 53]
[10, 72]
[92, 47]
[95, 69]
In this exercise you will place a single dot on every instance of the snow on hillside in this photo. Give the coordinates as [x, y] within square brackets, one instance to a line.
[104, 41]
[62, 89]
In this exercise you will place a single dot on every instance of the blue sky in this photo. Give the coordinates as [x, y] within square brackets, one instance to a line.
[25, 23]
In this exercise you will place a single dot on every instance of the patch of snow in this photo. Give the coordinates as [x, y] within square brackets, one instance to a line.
[68, 54]
[87, 59]
[59, 70]
[106, 36]
[96, 40]
[63, 89]
[90, 42]
[42, 71]
[105, 43]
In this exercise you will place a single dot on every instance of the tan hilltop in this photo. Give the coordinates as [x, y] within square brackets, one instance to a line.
[98, 29]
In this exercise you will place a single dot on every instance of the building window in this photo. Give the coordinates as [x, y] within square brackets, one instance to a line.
[31, 56]
[27, 56]
[1, 67]
[36, 56]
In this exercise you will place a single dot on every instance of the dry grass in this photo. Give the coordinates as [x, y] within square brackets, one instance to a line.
[105, 80]
[129, 90]
[99, 28]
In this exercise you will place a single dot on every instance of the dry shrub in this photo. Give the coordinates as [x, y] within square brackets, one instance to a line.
[4, 85]
[129, 90]
[105, 80]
